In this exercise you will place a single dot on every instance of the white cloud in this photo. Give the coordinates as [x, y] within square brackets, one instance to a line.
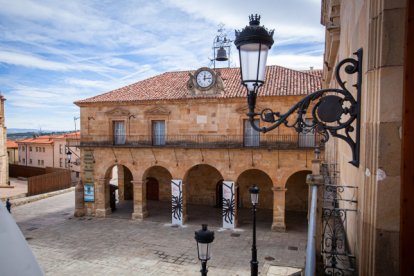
[55, 52]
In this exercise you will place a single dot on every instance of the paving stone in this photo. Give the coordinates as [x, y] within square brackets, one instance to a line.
[116, 246]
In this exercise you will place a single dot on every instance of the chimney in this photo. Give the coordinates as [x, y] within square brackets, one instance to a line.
[311, 68]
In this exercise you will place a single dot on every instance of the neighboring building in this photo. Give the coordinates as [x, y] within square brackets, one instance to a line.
[12, 152]
[384, 30]
[37, 152]
[50, 151]
[192, 126]
[4, 166]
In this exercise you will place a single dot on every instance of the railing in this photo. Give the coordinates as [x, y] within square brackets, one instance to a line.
[339, 211]
[199, 141]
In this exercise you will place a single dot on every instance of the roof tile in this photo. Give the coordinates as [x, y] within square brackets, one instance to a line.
[280, 81]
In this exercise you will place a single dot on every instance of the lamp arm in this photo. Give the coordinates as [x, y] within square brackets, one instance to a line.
[334, 109]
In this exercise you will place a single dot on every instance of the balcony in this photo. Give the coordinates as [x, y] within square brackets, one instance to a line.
[200, 141]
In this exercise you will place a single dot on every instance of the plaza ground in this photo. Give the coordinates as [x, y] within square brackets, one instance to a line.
[65, 245]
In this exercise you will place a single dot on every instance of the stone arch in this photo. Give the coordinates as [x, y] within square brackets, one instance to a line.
[296, 200]
[161, 177]
[297, 192]
[260, 178]
[199, 194]
[115, 190]
[288, 173]
[201, 181]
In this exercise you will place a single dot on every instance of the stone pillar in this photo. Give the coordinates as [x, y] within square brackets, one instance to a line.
[140, 200]
[79, 202]
[279, 224]
[121, 183]
[102, 198]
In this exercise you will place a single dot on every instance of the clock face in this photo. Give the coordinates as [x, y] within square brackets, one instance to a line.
[205, 78]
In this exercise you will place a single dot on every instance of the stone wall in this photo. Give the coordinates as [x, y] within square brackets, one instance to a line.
[4, 166]
[378, 27]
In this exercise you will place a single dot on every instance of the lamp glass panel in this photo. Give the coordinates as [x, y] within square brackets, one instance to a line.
[254, 198]
[250, 63]
[203, 251]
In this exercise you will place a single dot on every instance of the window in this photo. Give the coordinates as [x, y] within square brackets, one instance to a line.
[43, 162]
[43, 149]
[60, 148]
[60, 162]
[38, 162]
[23, 148]
[77, 174]
[30, 161]
[24, 160]
[30, 148]
[158, 133]
[251, 136]
[307, 137]
[119, 132]
[19, 159]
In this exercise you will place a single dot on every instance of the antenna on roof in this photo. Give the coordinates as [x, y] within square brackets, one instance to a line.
[221, 47]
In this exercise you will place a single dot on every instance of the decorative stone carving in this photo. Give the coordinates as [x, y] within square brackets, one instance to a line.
[118, 112]
[158, 110]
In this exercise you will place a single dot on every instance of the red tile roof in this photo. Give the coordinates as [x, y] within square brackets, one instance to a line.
[11, 144]
[280, 81]
[37, 140]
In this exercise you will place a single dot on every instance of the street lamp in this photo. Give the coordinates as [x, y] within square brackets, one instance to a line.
[204, 238]
[333, 109]
[68, 156]
[254, 196]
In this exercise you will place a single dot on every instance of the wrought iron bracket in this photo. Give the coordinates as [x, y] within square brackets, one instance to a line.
[333, 110]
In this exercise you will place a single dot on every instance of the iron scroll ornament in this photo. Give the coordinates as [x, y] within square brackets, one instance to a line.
[331, 104]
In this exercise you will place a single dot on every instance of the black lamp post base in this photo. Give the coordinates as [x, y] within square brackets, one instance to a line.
[254, 266]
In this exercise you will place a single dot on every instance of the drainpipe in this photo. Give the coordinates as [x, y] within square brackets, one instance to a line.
[314, 180]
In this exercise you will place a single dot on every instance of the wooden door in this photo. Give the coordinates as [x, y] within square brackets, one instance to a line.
[152, 189]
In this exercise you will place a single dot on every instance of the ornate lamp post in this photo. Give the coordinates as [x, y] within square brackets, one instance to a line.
[254, 196]
[334, 109]
[204, 238]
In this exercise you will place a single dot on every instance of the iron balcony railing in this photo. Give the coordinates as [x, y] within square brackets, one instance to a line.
[199, 141]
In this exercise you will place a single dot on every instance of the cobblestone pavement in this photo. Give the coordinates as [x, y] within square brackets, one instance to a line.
[65, 245]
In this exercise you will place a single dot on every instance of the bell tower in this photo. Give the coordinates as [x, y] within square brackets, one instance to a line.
[221, 47]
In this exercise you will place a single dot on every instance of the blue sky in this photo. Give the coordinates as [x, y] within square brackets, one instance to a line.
[55, 52]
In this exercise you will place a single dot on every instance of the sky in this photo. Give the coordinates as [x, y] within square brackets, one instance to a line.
[53, 53]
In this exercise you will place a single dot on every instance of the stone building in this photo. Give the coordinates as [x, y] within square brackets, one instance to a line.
[4, 166]
[50, 151]
[384, 30]
[191, 127]
[12, 152]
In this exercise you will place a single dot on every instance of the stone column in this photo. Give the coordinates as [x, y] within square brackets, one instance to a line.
[279, 224]
[140, 200]
[102, 198]
[121, 183]
[79, 202]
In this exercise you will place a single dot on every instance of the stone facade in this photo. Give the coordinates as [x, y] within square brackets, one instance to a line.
[377, 26]
[4, 166]
[205, 143]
